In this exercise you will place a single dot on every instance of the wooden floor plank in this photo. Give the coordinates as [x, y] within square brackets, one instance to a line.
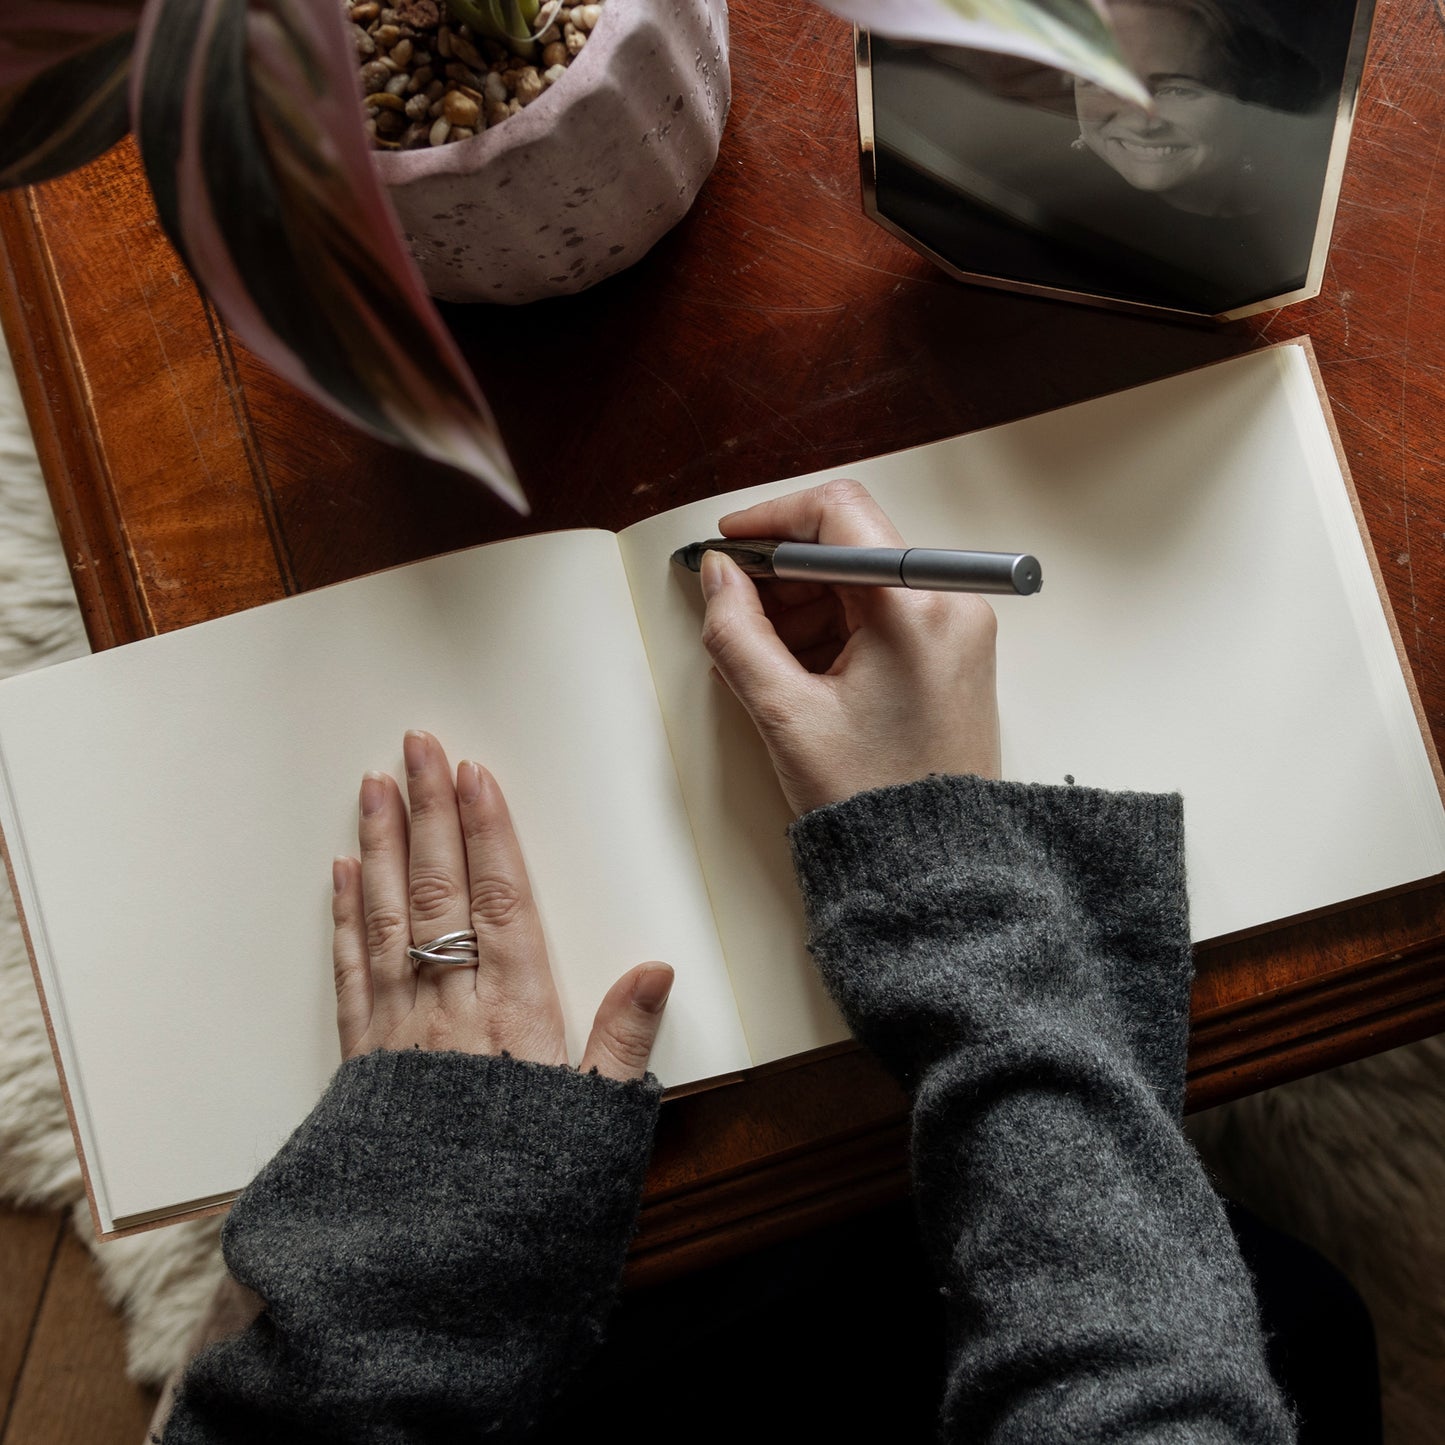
[27, 1244]
[72, 1384]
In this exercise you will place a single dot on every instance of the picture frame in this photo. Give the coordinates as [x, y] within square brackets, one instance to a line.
[1216, 205]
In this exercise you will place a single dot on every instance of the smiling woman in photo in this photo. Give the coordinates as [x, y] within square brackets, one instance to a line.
[1215, 83]
[1209, 201]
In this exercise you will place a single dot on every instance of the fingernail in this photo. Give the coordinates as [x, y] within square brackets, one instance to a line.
[714, 574]
[373, 794]
[414, 750]
[338, 874]
[650, 991]
[469, 782]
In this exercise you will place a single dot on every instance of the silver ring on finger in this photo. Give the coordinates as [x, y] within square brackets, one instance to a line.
[452, 950]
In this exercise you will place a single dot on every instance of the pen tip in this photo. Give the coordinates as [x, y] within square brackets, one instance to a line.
[686, 557]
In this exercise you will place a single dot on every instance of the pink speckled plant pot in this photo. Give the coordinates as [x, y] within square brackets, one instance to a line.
[589, 176]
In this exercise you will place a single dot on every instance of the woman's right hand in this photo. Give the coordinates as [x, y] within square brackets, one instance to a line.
[850, 687]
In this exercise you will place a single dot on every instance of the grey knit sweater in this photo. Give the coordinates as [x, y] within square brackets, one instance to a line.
[440, 1242]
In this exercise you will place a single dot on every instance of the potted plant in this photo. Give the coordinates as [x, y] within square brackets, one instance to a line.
[588, 131]
[254, 139]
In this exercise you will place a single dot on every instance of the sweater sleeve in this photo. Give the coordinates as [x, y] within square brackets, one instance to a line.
[1020, 956]
[437, 1246]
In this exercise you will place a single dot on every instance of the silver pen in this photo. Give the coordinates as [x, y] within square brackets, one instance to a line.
[930, 569]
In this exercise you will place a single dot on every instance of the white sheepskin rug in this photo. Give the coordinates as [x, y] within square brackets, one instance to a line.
[1351, 1161]
[162, 1280]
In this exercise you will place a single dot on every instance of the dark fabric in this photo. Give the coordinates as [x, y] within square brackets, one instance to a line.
[839, 1335]
[1321, 1339]
[834, 1337]
[438, 1246]
[1020, 957]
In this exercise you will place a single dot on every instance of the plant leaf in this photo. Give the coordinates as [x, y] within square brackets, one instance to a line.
[67, 115]
[1072, 35]
[249, 120]
[37, 34]
[501, 19]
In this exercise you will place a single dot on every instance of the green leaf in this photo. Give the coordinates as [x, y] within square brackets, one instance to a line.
[250, 130]
[1075, 31]
[504, 20]
[1071, 35]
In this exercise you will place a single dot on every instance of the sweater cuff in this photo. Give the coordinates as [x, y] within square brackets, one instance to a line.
[454, 1167]
[956, 907]
[445, 1230]
[885, 838]
[437, 1247]
[415, 1119]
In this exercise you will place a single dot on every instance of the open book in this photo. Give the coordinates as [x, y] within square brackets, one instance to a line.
[1210, 622]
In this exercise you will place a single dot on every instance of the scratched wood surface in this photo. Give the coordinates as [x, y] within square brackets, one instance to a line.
[774, 332]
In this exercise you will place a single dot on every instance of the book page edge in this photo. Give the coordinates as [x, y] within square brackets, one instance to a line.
[90, 1196]
[129, 1226]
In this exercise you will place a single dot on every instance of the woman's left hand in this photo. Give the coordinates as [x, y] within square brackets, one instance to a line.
[462, 869]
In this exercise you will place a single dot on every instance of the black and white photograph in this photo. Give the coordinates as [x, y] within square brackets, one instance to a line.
[1216, 200]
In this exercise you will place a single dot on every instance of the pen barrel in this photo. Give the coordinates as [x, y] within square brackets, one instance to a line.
[940, 571]
[816, 562]
[929, 569]
[926, 568]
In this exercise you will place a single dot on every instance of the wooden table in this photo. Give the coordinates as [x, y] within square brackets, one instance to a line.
[775, 332]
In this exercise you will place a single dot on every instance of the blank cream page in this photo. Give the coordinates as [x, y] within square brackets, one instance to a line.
[1208, 623]
[183, 798]
[739, 816]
